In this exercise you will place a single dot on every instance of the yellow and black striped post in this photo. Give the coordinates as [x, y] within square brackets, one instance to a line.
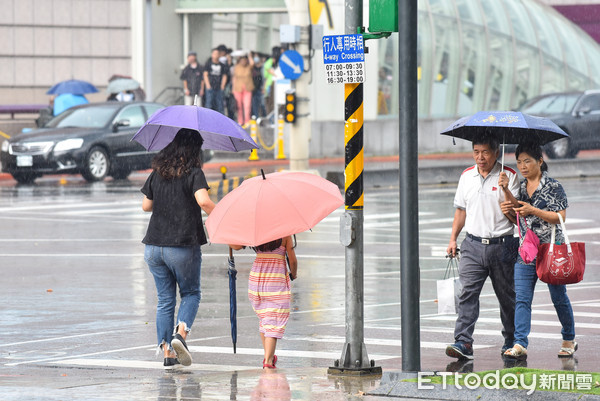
[354, 360]
[353, 142]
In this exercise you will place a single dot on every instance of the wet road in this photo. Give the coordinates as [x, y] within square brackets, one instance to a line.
[79, 302]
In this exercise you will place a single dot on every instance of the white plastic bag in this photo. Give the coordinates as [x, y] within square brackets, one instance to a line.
[448, 290]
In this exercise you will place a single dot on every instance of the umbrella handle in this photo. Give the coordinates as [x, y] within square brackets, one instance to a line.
[230, 253]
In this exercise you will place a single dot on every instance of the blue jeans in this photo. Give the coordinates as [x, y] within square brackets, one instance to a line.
[525, 279]
[214, 100]
[173, 266]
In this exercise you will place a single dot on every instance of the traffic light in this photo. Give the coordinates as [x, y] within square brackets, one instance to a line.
[290, 106]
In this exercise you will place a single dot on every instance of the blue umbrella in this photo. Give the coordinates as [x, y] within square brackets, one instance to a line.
[218, 131]
[507, 127]
[232, 272]
[73, 86]
[66, 101]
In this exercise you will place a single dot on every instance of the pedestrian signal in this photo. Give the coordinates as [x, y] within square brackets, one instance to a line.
[290, 107]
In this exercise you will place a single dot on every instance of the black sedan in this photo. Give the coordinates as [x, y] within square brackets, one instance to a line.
[577, 113]
[91, 139]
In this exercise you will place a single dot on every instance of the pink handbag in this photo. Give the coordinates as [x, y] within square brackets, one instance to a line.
[528, 248]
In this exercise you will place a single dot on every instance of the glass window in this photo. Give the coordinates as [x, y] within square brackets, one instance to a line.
[152, 108]
[86, 117]
[590, 103]
[134, 114]
[551, 104]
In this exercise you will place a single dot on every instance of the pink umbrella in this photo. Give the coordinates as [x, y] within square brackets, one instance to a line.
[265, 208]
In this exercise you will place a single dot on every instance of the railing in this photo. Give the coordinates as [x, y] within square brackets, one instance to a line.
[13, 109]
[170, 95]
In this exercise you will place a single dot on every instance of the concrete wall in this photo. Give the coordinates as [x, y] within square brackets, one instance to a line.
[381, 138]
[43, 42]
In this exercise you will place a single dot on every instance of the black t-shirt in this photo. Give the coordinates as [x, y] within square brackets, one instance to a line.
[193, 76]
[176, 216]
[215, 73]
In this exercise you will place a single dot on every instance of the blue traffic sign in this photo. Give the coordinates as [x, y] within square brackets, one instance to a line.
[343, 49]
[291, 64]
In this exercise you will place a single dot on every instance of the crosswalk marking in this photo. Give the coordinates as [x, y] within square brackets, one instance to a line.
[280, 352]
[556, 323]
[138, 364]
[494, 333]
[575, 313]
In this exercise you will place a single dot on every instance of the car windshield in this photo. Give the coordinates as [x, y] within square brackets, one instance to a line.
[86, 117]
[552, 104]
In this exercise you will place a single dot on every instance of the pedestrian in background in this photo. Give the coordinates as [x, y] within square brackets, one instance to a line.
[226, 57]
[193, 80]
[271, 73]
[215, 79]
[269, 292]
[489, 248]
[176, 192]
[258, 104]
[242, 87]
[540, 199]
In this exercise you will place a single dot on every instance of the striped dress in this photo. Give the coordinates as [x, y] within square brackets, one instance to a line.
[269, 292]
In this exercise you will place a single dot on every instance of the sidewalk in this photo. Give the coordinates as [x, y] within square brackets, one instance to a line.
[437, 168]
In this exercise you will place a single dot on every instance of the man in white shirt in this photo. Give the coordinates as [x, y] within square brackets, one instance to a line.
[489, 249]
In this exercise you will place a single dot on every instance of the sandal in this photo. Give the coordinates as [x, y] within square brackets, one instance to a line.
[267, 365]
[517, 351]
[566, 352]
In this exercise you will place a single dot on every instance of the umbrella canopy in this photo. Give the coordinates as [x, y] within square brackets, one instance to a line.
[73, 86]
[507, 126]
[265, 208]
[232, 273]
[218, 131]
[66, 101]
[122, 85]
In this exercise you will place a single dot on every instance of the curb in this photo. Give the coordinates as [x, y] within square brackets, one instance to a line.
[220, 188]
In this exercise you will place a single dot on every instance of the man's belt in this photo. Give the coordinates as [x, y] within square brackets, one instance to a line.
[489, 241]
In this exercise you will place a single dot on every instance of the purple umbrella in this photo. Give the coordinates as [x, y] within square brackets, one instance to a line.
[218, 131]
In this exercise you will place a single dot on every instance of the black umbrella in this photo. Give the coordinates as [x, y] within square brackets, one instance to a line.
[232, 299]
[507, 127]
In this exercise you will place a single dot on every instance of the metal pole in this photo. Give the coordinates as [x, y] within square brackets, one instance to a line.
[409, 186]
[186, 37]
[355, 359]
[148, 61]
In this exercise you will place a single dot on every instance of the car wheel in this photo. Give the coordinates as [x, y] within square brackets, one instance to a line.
[121, 173]
[561, 149]
[96, 165]
[24, 178]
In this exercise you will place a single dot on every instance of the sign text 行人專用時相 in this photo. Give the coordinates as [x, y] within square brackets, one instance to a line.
[344, 58]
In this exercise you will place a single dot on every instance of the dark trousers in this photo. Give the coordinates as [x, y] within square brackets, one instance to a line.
[477, 262]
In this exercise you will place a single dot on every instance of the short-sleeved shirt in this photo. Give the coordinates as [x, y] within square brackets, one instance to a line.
[176, 216]
[193, 77]
[549, 196]
[480, 198]
[215, 73]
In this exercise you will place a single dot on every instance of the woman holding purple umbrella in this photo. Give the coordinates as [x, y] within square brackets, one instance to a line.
[176, 192]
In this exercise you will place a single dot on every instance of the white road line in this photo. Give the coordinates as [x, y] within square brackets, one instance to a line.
[99, 255]
[556, 323]
[484, 332]
[393, 273]
[49, 207]
[280, 352]
[132, 210]
[61, 338]
[137, 364]
[112, 351]
[575, 313]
